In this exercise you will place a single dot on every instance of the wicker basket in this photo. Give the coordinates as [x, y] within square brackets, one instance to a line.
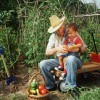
[37, 97]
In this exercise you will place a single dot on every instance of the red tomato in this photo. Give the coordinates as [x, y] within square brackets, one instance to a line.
[44, 91]
[41, 87]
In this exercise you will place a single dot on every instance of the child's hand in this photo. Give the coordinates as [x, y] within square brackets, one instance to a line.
[62, 49]
[70, 48]
[65, 48]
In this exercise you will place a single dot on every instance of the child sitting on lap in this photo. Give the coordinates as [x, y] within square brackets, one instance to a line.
[72, 41]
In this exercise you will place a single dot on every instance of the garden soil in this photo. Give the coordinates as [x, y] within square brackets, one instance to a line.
[18, 91]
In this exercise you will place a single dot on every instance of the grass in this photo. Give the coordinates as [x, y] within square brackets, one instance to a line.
[84, 94]
[13, 97]
[90, 94]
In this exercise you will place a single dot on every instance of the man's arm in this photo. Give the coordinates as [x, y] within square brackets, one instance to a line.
[51, 51]
[60, 49]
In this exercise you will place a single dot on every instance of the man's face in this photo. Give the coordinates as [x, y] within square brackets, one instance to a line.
[60, 31]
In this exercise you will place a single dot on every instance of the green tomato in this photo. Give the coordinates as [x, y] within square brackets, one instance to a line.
[34, 85]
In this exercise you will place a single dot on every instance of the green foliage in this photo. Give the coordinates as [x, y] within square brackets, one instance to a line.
[8, 38]
[35, 31]
[25, 25]
[92, 94]
[86, 26]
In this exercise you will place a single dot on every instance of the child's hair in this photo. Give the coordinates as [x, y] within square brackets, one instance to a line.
[73, 26]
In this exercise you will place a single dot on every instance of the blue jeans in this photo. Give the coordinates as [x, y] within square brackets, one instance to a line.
[72, 64]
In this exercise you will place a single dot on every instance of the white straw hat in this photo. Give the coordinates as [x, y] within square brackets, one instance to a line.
[55, 23]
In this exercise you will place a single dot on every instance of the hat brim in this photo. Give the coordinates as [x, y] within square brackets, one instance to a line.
[51, 29]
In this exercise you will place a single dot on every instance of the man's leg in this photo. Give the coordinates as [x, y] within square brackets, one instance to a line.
[72, 64]
[45, 67]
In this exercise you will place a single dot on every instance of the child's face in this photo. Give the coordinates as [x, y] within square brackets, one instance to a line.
[71, 33]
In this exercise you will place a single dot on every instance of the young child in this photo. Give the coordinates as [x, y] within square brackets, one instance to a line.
[73, 41]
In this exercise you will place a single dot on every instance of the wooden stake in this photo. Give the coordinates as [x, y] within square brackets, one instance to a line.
[7, 71]
[87, 15]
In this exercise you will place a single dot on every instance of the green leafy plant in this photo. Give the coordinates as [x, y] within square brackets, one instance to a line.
[91, 94]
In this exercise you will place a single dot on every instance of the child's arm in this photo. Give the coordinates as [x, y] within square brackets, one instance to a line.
[78, 44]
[75, 46]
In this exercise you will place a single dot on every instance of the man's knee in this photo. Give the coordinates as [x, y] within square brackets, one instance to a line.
[42, 64]
[71, 59]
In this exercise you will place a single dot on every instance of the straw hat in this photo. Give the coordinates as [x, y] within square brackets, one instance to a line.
[55, 23]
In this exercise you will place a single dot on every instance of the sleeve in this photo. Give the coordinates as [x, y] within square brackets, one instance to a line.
[78, 41]
[83, 48]
[84, 45]
[51, 42]
[66, 42]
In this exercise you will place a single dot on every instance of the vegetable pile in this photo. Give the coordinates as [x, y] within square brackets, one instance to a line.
[37, 89]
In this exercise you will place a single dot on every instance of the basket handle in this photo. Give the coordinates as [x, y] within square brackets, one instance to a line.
[34, 75]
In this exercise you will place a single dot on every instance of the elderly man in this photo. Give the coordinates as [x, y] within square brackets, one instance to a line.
[54, 47]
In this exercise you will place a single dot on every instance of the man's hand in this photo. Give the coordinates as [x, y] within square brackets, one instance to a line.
[62, 49]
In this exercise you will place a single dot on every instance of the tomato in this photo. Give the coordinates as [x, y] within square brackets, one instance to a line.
[41, 87]
[43, 91]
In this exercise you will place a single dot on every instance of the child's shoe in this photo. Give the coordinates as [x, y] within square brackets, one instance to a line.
[63, 75]
[59, 68]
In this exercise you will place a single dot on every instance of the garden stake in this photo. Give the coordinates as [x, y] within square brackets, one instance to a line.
[94, 43]
[10, 78]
